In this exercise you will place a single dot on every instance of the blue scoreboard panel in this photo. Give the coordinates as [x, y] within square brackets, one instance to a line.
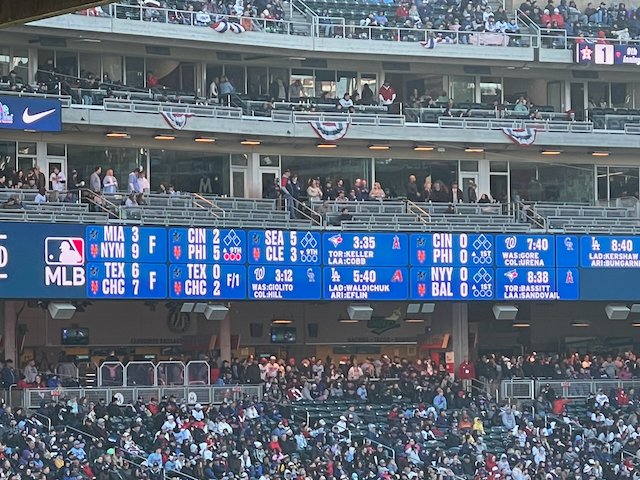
[610, 252]
[366, 283]
[49, 261]
[472, 250]
[451, 283]
[207, 245]
[284, 247]
[284, 283]
[365, 249]
[207, 281]
[126, 280]
[128, 244]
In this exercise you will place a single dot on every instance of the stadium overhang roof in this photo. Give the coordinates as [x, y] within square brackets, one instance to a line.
[20, 11]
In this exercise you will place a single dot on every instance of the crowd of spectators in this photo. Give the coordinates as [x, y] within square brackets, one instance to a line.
[597, 22]
[418, 423]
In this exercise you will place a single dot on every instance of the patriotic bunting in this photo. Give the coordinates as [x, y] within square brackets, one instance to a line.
[223, 26]
[521, 136]
[330, 131]
[177, 121]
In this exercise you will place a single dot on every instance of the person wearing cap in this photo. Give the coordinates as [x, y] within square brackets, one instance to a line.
[78, 450]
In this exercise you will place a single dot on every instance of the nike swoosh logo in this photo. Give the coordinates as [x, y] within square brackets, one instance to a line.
[27, 118]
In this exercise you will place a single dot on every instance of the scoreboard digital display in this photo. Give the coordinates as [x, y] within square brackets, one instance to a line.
[610, 252]
[284, 247]
[588, 53]
[366, 283]
[207, 245]
[285, 283]
[451, 283]
[365, 249]
[53, 261]
[128, 244]
[126, 280]
[203, 280]
[452, 249]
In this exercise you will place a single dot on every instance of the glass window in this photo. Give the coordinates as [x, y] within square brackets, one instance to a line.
[135, 72]
[603, 183]
[569, 183]
[27, 148]
[306, 79]
[499, 166]
[239, 160]
[20, 63]
[257, 82]
[498, 188]
[214, 72]
[619, 97]
[462, 89]
[269, 161]
[326, 83]
[190, 171]
[327, 170]
[67, 64]
[552, 182]
[167, 72]
[89, 63]
[623, 182]
[5, 62]
[346, 82]
[56, 149]
[490, 89]
[236, 75]
[599, 93]
[370, 79]
[393, 173]
[122, 160]
[188, 77]
[468, 165]
[7, 157]
[112, 69]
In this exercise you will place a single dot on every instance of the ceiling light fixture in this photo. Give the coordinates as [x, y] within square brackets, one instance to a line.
[413, 320]
[379, 146]
[250, 141]
[347, 320]
[423, 148]
[550, 152]
[600, 154]
[204, 140]
[281, 321]
[474, 149]
[326, 145]
[164, 136]
[521, 325]
[118, 135]
[580, 323]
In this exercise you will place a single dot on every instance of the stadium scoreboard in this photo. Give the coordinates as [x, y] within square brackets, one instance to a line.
[49, 261]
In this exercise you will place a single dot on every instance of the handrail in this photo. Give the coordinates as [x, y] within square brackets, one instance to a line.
[411, 205]
[90, 196]
[386, 447]
[530, 215]
[212, 206]
[301, 209]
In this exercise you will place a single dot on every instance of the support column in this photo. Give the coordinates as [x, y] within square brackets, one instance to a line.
[225, 337]
[460, 332]
[9, 332]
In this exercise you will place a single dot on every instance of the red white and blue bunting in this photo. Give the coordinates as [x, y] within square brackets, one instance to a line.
[177, 121]
[330, 131]
[521, 136]
[223, 26]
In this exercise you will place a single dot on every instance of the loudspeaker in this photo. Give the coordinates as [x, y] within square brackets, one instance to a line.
[505, 312]
[360, 312]
[215, 312]
[312, 330]
[617, 312]
[255, 330]
[61, 311]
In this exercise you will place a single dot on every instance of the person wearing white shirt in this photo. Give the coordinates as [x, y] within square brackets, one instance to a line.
[345, 102]
[58, 180]
[601, 398]
[109, 182]
[41, 196]
[143, 183]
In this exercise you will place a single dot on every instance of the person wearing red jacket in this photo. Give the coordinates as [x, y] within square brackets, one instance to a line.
[466, 373]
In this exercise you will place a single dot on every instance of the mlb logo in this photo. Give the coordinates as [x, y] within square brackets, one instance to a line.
[64, 251]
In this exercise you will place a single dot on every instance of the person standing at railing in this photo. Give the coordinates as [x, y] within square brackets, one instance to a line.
[109, 182]
[58, 180]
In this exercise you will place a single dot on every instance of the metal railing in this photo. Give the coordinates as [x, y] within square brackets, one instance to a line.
[35, 398]
[528, 389]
